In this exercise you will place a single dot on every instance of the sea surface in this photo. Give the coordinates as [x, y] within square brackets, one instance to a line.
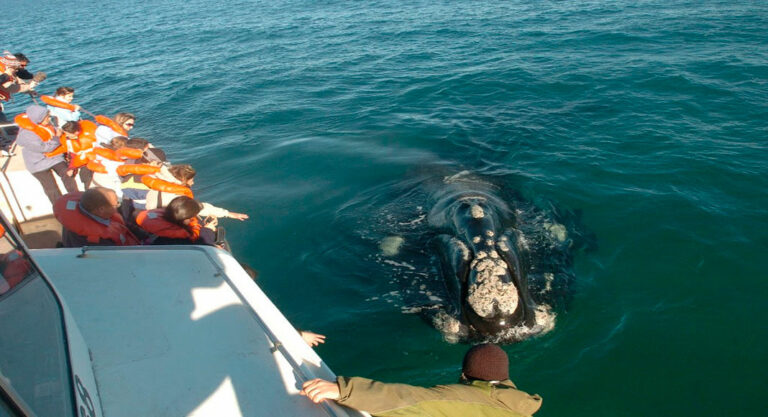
[644, 123]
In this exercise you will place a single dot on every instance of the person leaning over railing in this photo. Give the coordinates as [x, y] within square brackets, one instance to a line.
[14, 78]
[35, 148]
[119, 125]
[59, 114]
[131, 184]
[178, 224]
[171, 182]
[484, 390]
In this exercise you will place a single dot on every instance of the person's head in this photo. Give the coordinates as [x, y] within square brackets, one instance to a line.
[99, 201]
[184, 173]
[118, 142]
[38, 114]
[137, 143]
[71, 129]
[181, 210]
[153, 155]
[125, 120]
[486, 362]
[21, 59]
[66, 94]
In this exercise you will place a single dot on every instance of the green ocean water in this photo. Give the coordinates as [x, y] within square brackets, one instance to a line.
[646, 121]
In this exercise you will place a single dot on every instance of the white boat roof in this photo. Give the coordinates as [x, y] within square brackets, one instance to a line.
[183, 330]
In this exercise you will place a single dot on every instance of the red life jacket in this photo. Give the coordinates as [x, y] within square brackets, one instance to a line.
[153, 222]
[15, 268]
[67, 212]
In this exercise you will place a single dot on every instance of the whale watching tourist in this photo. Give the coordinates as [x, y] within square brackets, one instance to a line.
[484, 389]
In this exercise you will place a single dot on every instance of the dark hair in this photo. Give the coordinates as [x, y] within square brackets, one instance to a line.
[21, 57]
[182, 172]
[71, 127]
[137, 143]
[64, 91]
[182, 208]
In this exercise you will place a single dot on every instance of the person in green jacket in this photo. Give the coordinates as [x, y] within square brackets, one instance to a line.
[484, 390]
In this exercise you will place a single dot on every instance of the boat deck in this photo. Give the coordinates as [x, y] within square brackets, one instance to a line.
[183, 331]
[41, 233]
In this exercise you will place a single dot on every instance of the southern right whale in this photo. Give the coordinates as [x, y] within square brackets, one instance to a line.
[480, 259]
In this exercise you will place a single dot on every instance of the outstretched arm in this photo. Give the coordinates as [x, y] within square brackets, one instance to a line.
[368, 395]
[238, 216]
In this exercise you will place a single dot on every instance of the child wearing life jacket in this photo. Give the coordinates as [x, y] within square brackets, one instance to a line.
[172, 182]
[177, 224]
[120, 125]
[56, 107]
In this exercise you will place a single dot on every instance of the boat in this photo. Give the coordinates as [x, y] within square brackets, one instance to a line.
[144, 330]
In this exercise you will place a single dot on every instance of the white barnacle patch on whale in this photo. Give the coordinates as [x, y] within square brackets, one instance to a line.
[522, 242]
[449, 326]
[476, 239]
[390, 245]
[558, 231]
[548, 278]
[490, 242]
[489, 233]
[503, 245]
[481, 255]
[462, 247]
[477, 212]
[489, 290]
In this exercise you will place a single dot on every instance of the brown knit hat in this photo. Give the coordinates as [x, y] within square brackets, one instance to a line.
[487, 362]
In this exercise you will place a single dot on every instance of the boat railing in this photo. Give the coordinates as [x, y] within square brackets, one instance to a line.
[10, 199]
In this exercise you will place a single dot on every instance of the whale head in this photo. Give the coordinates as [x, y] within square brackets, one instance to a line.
[494, 284]
[493, 301]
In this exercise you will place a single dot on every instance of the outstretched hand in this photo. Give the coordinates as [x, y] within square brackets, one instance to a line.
[238, 216]
[319, 389]
[312, 339]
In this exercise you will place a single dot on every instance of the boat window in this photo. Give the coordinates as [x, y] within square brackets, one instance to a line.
[33, 352]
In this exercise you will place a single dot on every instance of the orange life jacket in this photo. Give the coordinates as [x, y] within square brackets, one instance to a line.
[118, 156]
[166, 186]
[57, 103]
[137, 169]
[67, 212]
[85, 141]
[153, 222]
[106, 121]
[130, 153]
[44, 132]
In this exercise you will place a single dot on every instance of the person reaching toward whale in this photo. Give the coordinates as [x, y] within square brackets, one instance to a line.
[484, 389]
